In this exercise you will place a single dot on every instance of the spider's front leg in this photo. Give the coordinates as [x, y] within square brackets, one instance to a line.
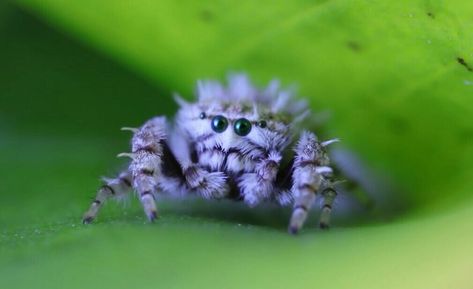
[145, 171]
[145, 167]
[310, 177]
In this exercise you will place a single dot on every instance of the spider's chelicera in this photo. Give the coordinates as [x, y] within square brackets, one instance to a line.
[233, 142]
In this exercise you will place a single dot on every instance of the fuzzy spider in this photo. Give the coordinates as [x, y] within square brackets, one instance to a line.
[233, 142]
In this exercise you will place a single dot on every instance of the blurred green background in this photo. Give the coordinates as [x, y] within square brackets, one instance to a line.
[397, 78]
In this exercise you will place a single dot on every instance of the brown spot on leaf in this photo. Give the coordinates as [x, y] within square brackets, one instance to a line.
[462, 62]
[465, 136]
[207, 15]
[355, 46]
[397, 125]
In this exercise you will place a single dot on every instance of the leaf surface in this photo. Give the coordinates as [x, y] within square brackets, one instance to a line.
[396, 77]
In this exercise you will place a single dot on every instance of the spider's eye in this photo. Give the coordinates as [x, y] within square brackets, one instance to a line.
[202, 115]
[242, 127]
[262, 124]
[219, 123]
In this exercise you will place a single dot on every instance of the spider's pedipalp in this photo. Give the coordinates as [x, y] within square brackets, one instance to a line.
[210, 185]
[258, 186]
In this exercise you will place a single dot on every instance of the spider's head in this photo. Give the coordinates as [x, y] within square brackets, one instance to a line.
[238, 115]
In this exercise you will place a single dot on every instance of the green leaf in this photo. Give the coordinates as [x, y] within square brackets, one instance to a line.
[396, 76]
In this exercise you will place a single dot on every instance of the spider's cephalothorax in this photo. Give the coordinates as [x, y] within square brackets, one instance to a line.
[231, 143]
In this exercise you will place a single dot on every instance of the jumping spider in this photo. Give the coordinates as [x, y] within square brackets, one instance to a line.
[232, 143]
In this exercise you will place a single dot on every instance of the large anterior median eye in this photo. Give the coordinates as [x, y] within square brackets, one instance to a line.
[242, 127]
[219, 123]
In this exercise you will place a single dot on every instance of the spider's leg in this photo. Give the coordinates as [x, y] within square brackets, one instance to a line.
[310, 165]
[145, 167]
[329, 195]
[116, 187]
[304, 199]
